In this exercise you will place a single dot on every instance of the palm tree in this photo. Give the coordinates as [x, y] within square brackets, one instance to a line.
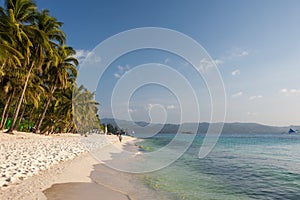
[9, 55]
[63, 108]
[10, 59]
[84, 110]
[61, 72]
[36, 68]
[10, 85]
[20, 15]
[31, 99]
[52, 28]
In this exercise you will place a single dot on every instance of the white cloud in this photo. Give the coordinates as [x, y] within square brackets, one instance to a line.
[238, 94]
[206, 64]
[87, 56]
[238, 52]
[218, 62]
[289, 91]
[255, 97]
[117, 75]
[170, 107]
[236, 72]
[167, 60]
[150, 105]
[81, 54]
[121, 70]
[93, 58]
[243, 53]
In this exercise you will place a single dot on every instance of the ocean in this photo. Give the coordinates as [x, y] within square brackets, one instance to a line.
[241, 166]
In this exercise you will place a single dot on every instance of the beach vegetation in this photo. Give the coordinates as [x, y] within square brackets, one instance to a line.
[38, 71]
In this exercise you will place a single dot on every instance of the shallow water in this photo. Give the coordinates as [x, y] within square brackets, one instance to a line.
[239, 167]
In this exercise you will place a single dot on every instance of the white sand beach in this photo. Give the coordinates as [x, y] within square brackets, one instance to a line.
[30, 163]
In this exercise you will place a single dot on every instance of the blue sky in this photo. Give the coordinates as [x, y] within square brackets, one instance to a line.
[255, 44]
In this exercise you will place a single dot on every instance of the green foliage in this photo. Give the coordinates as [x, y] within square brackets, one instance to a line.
[114, 129]
[85, 110]
[38, 73]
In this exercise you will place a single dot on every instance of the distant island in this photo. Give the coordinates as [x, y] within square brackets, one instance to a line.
[229, 128]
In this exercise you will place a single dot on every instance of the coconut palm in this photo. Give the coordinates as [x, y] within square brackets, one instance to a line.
[62, 71]
[37, 72]
[84, 110]
[10, 59]
[21, 14]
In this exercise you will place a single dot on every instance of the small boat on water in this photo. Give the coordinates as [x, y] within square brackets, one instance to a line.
[291, 131]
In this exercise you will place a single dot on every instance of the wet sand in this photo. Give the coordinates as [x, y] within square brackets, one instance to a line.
[101, 182]
[78, 191]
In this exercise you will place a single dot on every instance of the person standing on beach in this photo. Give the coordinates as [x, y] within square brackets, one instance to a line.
[120, 137]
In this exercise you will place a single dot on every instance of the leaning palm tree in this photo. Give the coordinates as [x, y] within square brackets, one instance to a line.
[31, 99]
[63, 108]
[9, 55]
[10, 60]
[34, 59]
[60, 73]
[30, 41]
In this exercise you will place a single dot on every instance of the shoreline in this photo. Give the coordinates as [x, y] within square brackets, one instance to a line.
[74, 185]
[30, 163]
[102, 180]
[77, 172]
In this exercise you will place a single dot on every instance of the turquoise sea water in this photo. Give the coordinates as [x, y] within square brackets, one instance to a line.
[253, 166]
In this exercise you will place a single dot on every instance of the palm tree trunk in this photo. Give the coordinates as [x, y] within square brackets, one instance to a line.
[30, 116]
[69, 127]
[5, 109]
[10, 130]
[62, 129]
[5, 119]
[37, 119]
[45, 109]
[22, 114]
[4, 62]
[7, 116]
